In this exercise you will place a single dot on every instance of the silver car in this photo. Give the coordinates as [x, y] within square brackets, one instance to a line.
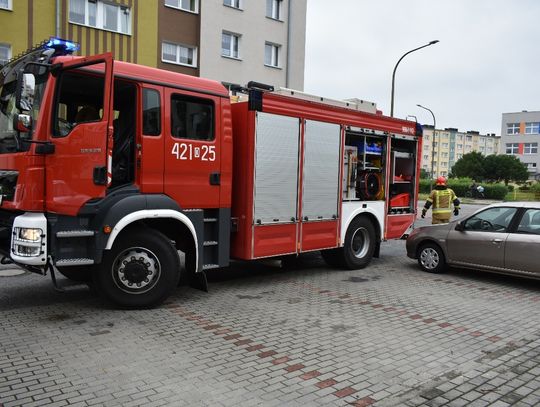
[503, 237]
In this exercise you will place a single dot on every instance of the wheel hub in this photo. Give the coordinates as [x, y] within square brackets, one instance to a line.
[136, 270]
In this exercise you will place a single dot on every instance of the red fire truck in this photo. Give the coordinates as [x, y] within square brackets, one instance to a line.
[107, 172]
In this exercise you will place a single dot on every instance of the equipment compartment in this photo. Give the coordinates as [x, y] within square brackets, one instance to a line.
[363, 163]
[403, 174]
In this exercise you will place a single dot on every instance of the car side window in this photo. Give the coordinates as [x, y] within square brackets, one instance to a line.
[530, 222]
[491, 220]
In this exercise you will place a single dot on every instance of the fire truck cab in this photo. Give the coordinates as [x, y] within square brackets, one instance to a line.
[109, 169]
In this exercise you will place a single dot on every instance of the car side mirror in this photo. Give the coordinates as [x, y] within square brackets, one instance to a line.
[460, 226]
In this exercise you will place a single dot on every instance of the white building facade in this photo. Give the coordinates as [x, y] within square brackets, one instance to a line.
[253, 40]
[521, 137]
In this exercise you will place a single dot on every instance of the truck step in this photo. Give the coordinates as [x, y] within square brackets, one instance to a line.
[210, 266]
[74, 262]
[75, 233]
[208, 220]
[210, 243]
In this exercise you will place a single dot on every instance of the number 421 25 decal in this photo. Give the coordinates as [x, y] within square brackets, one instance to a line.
[185, 151]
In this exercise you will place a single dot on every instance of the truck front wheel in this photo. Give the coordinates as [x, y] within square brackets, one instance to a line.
[140, 270]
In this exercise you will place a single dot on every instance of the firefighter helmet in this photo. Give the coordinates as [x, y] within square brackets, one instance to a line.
[441, 181]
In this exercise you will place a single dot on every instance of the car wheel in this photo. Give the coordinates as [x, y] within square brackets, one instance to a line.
[140, 271]
[431, 258]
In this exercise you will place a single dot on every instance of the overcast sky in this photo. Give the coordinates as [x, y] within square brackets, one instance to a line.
[486, 63]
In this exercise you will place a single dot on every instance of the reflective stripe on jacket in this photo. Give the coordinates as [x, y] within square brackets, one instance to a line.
[442, 200]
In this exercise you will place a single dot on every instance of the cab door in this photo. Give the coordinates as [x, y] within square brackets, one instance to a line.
[81, 131]
[192, 149]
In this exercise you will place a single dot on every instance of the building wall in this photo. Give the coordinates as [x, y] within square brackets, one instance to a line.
[32, 21]
[179, 27]
[521, 139]
[450, 145]
[254, 28]
[151, 22]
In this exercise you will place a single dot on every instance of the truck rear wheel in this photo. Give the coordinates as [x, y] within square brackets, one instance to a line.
[140, 270]
[359, 244]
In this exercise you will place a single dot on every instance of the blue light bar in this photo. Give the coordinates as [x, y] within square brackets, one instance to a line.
[62, 46]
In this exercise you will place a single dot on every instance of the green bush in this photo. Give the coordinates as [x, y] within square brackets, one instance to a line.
[510, 187]
[462, 188]
[495, 191]
[535, 187]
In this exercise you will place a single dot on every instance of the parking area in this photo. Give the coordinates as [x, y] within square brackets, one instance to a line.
[268, 334]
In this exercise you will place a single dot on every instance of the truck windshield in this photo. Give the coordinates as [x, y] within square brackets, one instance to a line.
[10, 140]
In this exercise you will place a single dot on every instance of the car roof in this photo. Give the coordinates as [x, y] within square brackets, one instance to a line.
[523, 204]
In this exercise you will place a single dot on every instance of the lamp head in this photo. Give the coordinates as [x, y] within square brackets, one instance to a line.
[433, 42]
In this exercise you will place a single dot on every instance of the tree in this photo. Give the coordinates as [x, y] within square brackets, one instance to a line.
[471, 165]
[505, 168]
[424, 174]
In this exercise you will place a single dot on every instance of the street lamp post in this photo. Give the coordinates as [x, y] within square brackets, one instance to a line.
[432, 144]
[394, 73]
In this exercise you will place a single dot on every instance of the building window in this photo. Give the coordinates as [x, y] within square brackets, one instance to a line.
[426, 157]
[531, 166]
[5, 4]
[192, 118]
[230, 44]
[232, 3]
[532, 128]
[512, 148]
[186, 5]
[530, 148]
[512, 128]
[97, 14]
[5, 53]
[179, 54]
[460, 146]
[271, 55]
[273, 9]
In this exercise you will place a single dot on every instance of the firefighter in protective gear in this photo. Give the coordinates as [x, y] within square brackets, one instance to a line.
[441, 198]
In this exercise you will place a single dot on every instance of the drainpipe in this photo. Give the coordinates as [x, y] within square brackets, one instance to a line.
[58, 18]
[287, 69]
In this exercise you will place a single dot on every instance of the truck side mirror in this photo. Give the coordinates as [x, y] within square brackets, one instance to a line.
[23, 123]
[25, 92]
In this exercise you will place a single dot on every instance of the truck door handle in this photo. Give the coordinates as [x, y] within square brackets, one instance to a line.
[215, 178]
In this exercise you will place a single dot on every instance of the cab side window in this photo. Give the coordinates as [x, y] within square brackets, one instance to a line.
[491, 220]
[192, 118]
[151, 113]
[79, 99]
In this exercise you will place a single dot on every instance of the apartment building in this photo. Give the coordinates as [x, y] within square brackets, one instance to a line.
[441, 151]
[520, 133]
[233, 41]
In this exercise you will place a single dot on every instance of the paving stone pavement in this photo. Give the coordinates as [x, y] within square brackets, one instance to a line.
[266, 335]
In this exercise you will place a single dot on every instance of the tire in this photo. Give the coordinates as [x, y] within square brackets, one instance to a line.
[431, 258]
[140, 271]
[359, 245]
[333, 257]
[80, 274]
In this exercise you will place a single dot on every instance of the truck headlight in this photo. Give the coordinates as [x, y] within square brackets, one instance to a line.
[28, 234]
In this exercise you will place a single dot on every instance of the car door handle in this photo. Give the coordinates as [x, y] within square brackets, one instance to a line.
[496, 241]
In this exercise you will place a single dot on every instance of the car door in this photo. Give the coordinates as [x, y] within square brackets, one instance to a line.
[482, 238]
[81, 133]
[192, 159]
[521, 247]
